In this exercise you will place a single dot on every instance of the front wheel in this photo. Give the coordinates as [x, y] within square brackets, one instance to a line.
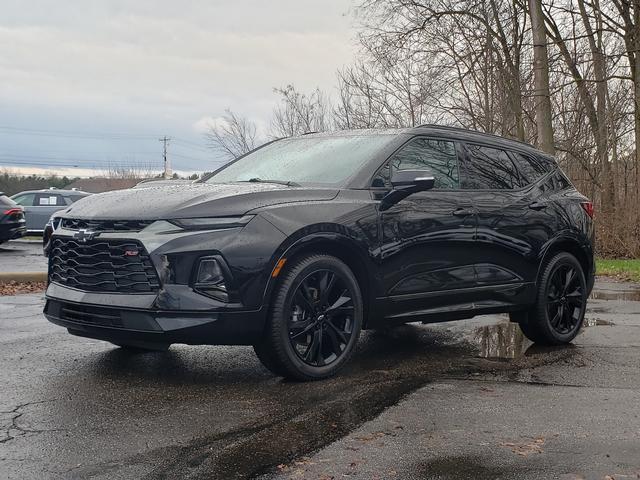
[315, 319]
[561, 303]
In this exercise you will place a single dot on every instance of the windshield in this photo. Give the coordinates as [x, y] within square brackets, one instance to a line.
[318, 160]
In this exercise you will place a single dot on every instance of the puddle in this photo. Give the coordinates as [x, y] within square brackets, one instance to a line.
[627, 294]
[501, 341]
[597, 322]
[506, 340]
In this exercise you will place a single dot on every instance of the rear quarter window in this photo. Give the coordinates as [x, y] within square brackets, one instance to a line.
[531, 167]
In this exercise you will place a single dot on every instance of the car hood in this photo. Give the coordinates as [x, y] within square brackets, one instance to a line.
[191, 201]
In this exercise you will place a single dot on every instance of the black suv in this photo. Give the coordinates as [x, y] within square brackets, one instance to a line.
[297, 246]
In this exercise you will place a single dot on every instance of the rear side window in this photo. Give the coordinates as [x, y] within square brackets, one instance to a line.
[488, 168]
[437, 156]
[531, 168]
[47, 200]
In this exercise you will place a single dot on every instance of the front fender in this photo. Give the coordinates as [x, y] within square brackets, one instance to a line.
[332, 239]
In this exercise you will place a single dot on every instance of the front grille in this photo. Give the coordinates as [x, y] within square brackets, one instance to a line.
[119, 266]
[106, 225]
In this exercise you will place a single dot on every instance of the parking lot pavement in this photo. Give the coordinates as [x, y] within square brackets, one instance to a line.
[22, 256]
[577, 418]
[416, 402]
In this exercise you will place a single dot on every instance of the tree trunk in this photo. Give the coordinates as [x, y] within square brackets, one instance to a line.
[541, 78]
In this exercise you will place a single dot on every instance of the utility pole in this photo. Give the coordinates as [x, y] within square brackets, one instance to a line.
[167, 166]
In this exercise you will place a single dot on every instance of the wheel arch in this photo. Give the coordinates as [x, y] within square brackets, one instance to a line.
[574, 245]
[335, 244]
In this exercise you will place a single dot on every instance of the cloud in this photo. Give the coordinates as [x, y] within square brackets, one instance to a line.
[163, 66]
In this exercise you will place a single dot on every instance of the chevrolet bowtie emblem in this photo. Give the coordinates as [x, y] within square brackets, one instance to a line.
[83, 236]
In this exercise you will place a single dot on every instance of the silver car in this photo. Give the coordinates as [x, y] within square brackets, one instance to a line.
[39, 205]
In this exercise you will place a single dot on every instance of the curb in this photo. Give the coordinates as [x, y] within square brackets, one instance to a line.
[35, 241]
[23, 277]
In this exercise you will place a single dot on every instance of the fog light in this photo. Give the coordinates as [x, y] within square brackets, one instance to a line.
[210, 279]
[209, 272]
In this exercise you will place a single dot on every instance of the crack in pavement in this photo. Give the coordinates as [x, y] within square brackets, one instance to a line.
[14, 426]
[537, 383]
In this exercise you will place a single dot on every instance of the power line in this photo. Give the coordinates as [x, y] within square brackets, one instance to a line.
[68, 134]
[70, 158]
[186, 143]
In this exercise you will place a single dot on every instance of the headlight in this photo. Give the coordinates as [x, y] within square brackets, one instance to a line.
[212, 223]
[210, 279]
[53, 222]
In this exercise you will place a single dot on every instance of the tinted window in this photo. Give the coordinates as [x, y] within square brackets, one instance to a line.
[46, 200]
[488, 168]
[25, 200]
[438, 156]
[530, 167]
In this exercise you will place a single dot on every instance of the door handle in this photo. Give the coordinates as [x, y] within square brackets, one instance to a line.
[463, 212]
[537, 206]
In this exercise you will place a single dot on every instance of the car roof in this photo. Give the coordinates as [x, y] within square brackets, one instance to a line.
[54, 191]
[454, 133]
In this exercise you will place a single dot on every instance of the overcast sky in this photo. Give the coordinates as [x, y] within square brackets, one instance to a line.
[92, 83]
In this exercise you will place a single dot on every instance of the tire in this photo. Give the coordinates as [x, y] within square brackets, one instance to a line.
[314, 321]
[561, 300]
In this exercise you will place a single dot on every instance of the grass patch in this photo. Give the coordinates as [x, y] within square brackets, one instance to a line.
[621, 269]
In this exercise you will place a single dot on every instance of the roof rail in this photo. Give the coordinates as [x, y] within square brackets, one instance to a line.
[446, 127]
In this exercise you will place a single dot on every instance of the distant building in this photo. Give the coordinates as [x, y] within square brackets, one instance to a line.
[99, 185]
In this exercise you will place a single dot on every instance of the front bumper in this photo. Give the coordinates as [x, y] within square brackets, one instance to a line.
[175, 312]
[124, 319]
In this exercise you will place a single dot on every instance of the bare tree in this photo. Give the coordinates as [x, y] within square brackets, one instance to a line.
[299, 113]
[232, 136]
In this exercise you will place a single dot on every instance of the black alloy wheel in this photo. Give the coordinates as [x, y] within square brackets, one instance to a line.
[315, 319]
[321, 318]
[565, 302]
[558, 314]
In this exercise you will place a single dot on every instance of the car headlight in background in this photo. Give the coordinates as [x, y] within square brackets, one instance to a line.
[49, 228]
[210, 279]
[212, 223]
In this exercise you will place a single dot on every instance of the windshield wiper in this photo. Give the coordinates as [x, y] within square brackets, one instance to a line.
[279, 182]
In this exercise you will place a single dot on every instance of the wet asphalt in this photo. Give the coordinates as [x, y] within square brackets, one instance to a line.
[470, 399]
[22, 256]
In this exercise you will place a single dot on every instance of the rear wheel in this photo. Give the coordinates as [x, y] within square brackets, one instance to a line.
[315, 319]
[561, 303]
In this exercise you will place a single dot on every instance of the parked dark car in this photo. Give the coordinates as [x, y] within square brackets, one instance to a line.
[39, 205]
[302, 243]
[12, 222]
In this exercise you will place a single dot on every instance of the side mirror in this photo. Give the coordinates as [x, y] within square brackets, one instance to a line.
[417, 180]
[406, 182]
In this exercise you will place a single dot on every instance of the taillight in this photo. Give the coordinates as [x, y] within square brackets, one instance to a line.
[588, 207]
[12, 211]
